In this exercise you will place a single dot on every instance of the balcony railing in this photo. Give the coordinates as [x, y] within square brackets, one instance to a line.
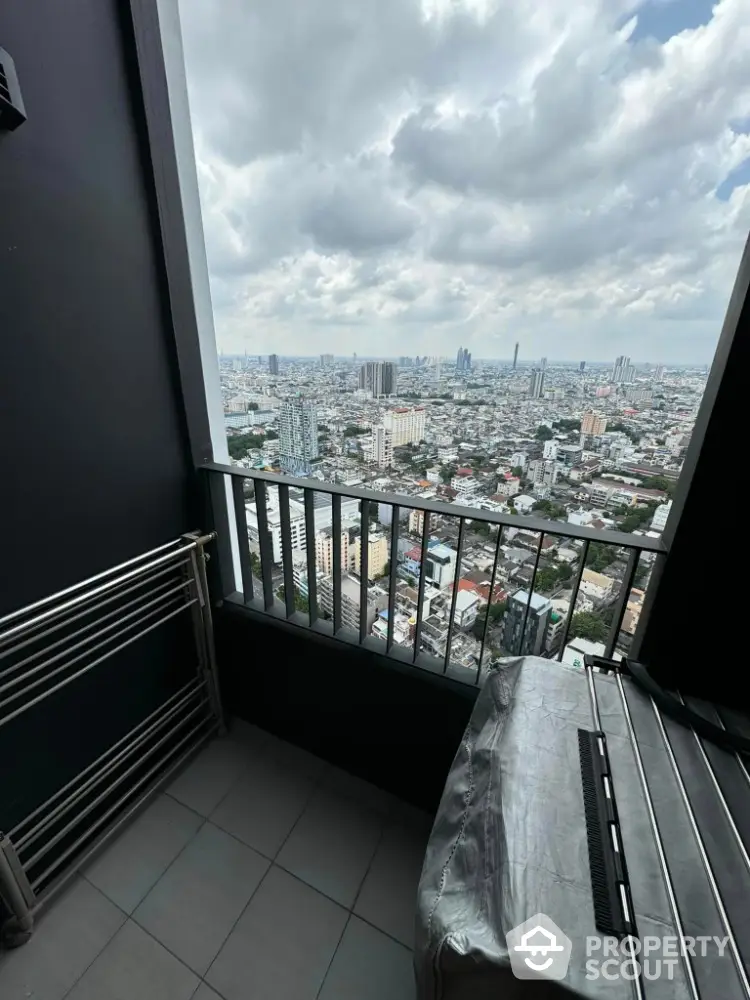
[412, 612]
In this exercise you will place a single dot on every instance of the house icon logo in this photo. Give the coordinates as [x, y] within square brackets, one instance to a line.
[538, 949]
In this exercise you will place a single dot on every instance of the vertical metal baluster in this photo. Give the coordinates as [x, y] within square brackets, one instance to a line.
[456, 578]
[622, 603]
[395, 524]
[489, 602]
[285, 526]
[531, 593]
[422, 574]
[312, 581]
[240, 517]
[574, 598]
[265, 544]
[672, 898]
[336, 568]
[364, 566]
[702, 851]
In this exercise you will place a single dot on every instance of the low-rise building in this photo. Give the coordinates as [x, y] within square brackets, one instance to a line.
[508, 486]
[467, 609]
[596, 585]
[577, 648]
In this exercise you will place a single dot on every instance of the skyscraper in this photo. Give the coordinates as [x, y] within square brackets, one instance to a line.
[326, 360]
[622, 370]
[527, 641]
[298, 436]
[273, 364]
[536, 383]
[582, 367]
[378, 377]
[463, 360]
[543, 365]
[515, 357]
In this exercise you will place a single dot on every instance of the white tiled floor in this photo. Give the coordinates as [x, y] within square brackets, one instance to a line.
[262, 873]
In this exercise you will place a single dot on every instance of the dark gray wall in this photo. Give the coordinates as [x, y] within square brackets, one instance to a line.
[685, 642]
[94, 451]
[94, 460]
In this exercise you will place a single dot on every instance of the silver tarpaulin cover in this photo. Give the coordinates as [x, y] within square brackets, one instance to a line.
[509, 842]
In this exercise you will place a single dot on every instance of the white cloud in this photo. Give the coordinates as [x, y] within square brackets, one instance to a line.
[395, 178]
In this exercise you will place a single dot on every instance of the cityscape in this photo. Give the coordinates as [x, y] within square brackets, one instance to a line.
[582, 443]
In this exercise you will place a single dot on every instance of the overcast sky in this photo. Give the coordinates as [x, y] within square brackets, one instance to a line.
[394, 177]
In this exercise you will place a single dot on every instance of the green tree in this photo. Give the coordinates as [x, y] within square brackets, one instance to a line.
[353, 430]
[544, 433]
[497, 610]
[589, 625]
[301, 603]
[481, 528]
[600, 556]
[546, 579]
[252, 406]
[516, 471]
[447, 473]
[658, 483]
[271, 435]
[240, 444]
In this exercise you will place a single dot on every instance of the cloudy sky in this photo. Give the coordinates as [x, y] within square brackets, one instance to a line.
[407, 176]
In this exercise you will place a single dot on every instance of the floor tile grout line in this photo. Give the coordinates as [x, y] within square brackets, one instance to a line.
[333, 956]
[313, 789]
[159, 877]
[234, 925]
[166, 947]
[381, 835]
[104, 946]
[146, 931]
[380, 930]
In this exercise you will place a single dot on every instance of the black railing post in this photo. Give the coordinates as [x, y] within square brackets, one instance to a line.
[265, 544]
[456, 581]
[574, 598]
[622, 603]
[285, 526]
[240, 516]
[336, 568]
[422, 580]
[310, 540]
[364, 566]
[531, 593]
[395, 525]
[489, 602]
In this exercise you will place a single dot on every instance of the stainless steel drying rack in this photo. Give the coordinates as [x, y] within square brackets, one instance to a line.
[51, 644]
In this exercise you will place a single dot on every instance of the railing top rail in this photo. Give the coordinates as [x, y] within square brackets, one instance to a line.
[642, 543]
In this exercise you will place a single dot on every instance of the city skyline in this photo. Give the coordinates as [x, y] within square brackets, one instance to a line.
[578, 178]
[523, 362]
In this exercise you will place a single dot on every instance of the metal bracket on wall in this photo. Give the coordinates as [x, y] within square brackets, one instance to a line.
[12, 111]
